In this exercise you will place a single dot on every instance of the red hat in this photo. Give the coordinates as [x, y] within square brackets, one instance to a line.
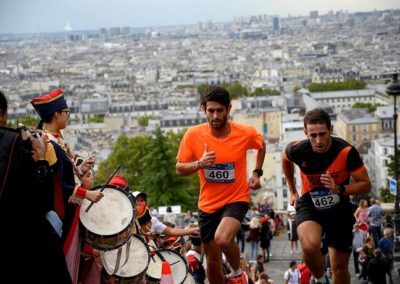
[118, 180]
[48, 104]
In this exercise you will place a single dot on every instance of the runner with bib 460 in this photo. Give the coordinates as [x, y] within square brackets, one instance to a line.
[217, 152]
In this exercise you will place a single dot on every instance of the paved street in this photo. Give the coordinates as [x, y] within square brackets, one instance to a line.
[281, 257]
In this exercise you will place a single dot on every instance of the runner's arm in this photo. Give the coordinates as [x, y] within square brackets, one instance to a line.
[288, 170]
[187, 168]
[260, 156]
[360, 185]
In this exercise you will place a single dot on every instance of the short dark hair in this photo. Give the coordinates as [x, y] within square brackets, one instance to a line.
[292, 263]
[317, 116]
[3, 102]
[217, 94]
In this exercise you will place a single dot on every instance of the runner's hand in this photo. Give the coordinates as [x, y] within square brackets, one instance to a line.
[254, 182]
[329, 182]
[294, 197]
[208, 158]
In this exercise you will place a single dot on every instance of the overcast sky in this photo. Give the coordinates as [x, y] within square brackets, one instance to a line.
[19, 16]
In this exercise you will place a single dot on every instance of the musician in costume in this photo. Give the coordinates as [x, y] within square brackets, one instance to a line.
[54, 113]
[30, 244]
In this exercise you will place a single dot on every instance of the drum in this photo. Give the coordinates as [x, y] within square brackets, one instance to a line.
[128, 263]
[189, 279]
[110, 222]
[153, 273]
[178, 265]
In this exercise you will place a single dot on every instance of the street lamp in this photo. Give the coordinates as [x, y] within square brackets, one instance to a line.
[393, 89]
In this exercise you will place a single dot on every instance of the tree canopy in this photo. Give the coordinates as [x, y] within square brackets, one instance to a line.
[337, 86]
[148, 165]
[236, 90]
[371, 107]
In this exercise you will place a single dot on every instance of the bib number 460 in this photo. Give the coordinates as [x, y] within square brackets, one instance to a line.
[219, 174]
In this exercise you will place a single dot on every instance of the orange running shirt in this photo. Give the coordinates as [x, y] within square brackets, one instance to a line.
[342, 160]
[226, 181]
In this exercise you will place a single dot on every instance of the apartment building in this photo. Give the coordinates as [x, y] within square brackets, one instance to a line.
[357, 126]
[377, 160]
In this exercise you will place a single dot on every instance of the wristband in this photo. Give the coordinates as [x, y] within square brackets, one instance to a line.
[80, 192]
[199, 164]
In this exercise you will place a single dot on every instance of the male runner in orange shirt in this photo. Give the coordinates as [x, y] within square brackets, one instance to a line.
[217, 152]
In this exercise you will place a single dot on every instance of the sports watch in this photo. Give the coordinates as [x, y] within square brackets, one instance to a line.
[259, 172]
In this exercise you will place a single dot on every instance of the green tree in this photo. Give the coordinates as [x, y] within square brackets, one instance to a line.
[259, 92]
[337, 86]
[148, 164]
[160, 179]
[144, 120]
[128, 153]
[386, 196]
[371, 107]
[96, 119]
[26, 120]
[236, 90]
[201, 88]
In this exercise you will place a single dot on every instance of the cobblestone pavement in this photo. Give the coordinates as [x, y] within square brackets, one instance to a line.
[281, 257]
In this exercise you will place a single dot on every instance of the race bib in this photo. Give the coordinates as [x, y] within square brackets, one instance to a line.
[324, 198]
[222, 173]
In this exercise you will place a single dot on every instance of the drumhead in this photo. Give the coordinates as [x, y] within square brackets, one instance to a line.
[138, 259]
[189, 279]
[155, 267]
[178, 265]
[111, 215]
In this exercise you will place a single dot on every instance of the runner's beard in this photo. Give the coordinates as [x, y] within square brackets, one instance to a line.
[218, 124]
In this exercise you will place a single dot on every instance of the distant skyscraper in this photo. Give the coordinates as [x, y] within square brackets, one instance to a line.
[275, 24]
[313, 14]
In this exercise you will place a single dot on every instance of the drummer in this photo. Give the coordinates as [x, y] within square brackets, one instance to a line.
[150, 224]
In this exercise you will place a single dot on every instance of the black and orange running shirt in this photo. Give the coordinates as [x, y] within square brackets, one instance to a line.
[341, 161]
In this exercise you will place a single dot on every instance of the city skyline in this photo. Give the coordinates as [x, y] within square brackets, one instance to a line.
[18, 16]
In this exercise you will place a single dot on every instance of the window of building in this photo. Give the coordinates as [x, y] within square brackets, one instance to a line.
[284, 181]
[284, 193]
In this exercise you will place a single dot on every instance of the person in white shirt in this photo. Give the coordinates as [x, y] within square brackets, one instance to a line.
[292, 276]
[170, 217]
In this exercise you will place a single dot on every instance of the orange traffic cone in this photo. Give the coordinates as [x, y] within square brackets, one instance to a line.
[166, 274]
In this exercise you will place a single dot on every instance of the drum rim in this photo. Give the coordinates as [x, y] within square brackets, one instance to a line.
[126, 192]
[129, 228]
[179, 255]
[138, 236]
[131, 198]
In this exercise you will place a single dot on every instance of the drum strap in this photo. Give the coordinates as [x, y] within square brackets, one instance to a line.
[118, 260]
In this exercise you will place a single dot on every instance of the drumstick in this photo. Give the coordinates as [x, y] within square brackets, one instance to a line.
[104, 186]
[92, 169]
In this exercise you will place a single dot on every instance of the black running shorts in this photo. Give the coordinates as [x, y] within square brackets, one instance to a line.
[336, 222]
[208, 222]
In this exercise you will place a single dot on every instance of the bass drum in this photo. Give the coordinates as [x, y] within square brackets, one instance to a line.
[190, 279]
[110, 222]
[128, 263]
[153, 273]
[178, 265]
